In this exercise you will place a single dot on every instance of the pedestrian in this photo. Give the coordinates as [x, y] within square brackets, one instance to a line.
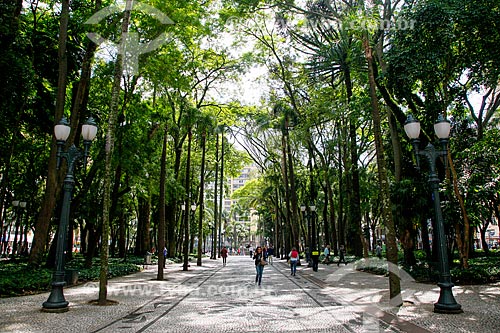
[250, 249]
[326, 252]
[223, 254]
[294, 258]
[258, 258]
[270, 254]
[341, 255]
[378, 251]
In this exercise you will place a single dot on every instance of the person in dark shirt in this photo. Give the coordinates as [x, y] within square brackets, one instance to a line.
[258, 256]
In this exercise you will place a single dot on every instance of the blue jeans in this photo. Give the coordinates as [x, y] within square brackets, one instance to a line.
[260, 270]
[293, 266]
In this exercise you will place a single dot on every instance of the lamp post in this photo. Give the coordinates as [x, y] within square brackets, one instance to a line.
[56, 301]
[446, 302]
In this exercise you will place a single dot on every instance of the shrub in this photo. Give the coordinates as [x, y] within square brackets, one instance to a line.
[17, 278]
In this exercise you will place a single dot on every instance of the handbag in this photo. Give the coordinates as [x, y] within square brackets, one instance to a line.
[263, 262]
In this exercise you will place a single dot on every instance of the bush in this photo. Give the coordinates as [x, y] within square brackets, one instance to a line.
[484, 269]
[372, 265]
[17, 278]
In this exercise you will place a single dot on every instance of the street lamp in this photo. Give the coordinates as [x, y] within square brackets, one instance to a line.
[56, 301]
[446, 302]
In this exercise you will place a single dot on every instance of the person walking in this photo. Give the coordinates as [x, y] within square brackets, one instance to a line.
[294, 259]
[326, 252]
[341, 255]
[223, 254]
[270, 254]
[378, 251]
[258, 257]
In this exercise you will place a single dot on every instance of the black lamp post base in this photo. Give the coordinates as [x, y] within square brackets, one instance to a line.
[446, 302]
[55, 306]
[448, 309]
[56, 301]
[56, 310]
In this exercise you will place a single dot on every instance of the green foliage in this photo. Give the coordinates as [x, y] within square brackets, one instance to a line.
[484, 269]
[17, 278]
[375, 266]
[115, 269]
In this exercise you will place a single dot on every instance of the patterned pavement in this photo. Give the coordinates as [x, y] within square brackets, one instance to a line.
[213, 298]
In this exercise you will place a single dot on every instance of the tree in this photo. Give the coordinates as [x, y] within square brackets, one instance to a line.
[436, 59]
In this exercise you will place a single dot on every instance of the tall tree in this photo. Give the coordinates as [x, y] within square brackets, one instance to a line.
[110, 139]
[43, 221]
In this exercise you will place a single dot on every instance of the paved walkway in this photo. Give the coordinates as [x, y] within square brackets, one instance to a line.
[213, 298]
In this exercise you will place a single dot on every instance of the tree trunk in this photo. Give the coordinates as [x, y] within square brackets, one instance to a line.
[188, 204]
[284, 169]
[408, 243]
[354, 201]
[110, 138]
[216, 198]
[49, 201]
[221, 189]
[161, 223]
[142, 241]
[462, 240]
[485, 246]
[293, 194]
[93, 240]
[392, 250]
[201, 203]
[340, 222]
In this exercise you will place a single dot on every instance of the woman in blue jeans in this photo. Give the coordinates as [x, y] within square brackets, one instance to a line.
[294, 258]
[258, 255]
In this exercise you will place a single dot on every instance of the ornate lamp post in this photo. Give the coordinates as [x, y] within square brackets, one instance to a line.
[56, 301]
[446, 302]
